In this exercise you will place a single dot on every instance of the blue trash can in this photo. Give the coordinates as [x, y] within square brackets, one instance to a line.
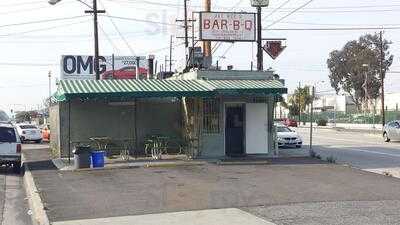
[98, 159]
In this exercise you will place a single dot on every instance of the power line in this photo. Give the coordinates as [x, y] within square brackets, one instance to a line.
[338, 24]
[291, 13]
[172, 5]
[279, 7]
[119, 32]
[21, 3]
[349, 11]
[42, 29]
[140, 20]
[334, 28]
[216, 46]
[41, 21]
[27, 64]
[109, 39]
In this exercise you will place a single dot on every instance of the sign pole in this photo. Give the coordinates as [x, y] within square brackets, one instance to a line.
[207, 44]
[259, 41]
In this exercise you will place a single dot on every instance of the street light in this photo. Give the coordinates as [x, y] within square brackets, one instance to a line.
[96, 34]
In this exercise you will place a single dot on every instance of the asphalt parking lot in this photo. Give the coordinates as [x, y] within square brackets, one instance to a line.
[136, 191]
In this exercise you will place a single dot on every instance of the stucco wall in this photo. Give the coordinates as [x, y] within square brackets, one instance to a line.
[212, 145]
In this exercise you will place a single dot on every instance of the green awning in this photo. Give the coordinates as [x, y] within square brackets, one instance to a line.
[127, 89]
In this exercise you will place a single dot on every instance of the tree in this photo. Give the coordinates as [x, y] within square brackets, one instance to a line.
[355, 69]
[25, 116]
[301, 95]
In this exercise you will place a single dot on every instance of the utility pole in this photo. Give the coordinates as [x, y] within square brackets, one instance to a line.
[382, 75]
[49, 75]
[207, 44]
[299, 99]
[312, 116]
[170, 54]
[186, 24]
[260, 60]
[96, 38]
[165, 62]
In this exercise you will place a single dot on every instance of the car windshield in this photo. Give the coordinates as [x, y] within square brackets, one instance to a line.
[27, 127]
[7, 134]
[129, 68]
[283, 129]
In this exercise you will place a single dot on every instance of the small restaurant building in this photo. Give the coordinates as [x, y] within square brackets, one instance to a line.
[200, 114]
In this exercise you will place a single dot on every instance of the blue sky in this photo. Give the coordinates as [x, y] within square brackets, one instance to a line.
[29, 51]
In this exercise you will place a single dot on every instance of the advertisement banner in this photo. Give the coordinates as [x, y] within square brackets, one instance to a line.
[81, 67]
[227, 26]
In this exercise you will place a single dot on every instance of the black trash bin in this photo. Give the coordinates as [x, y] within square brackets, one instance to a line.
[82, 157]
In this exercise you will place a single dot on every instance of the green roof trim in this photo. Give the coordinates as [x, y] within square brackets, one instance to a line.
[121, 89]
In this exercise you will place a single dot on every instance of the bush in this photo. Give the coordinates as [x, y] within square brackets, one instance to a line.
[322, 122]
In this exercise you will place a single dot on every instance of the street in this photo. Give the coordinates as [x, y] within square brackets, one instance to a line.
[362, 150]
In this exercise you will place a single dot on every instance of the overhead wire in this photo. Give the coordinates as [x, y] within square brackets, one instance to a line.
[140, 20]
[291, 13]
[42, 29]
[42, 21]
[334, 28]
[118, 31]
[116, 49]
[276, 9]
[216, 46]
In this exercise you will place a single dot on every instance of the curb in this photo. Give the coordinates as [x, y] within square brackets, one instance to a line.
[39, 215]
[365, 131]
[62, 167]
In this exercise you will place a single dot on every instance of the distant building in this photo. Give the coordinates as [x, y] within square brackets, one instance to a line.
[338, 103]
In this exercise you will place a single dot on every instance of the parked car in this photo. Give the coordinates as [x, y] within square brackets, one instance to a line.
[10, 146]
[46, 133]
[29, 132]
[391, 131]
[127, 72]
[287, 137]
[289, 122]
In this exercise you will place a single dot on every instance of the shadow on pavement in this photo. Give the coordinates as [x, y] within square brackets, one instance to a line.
[41, 165]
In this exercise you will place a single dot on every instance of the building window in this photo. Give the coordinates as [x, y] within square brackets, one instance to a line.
[211, 108]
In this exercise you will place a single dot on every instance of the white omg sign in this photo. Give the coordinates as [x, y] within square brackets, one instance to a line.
[227, 26]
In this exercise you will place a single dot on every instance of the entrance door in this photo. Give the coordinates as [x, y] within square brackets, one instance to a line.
[256, 128]
[234, 130]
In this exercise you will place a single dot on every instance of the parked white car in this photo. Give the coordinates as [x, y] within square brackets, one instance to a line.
[10, 146]
[287, 137]
[29, 132]
[391, 131]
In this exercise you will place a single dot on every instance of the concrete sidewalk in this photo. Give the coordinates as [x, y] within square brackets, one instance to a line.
[202, 217]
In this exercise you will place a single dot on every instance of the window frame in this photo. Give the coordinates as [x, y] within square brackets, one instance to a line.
[211, 121]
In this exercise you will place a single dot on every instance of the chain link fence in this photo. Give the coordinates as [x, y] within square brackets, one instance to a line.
[351, 118]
